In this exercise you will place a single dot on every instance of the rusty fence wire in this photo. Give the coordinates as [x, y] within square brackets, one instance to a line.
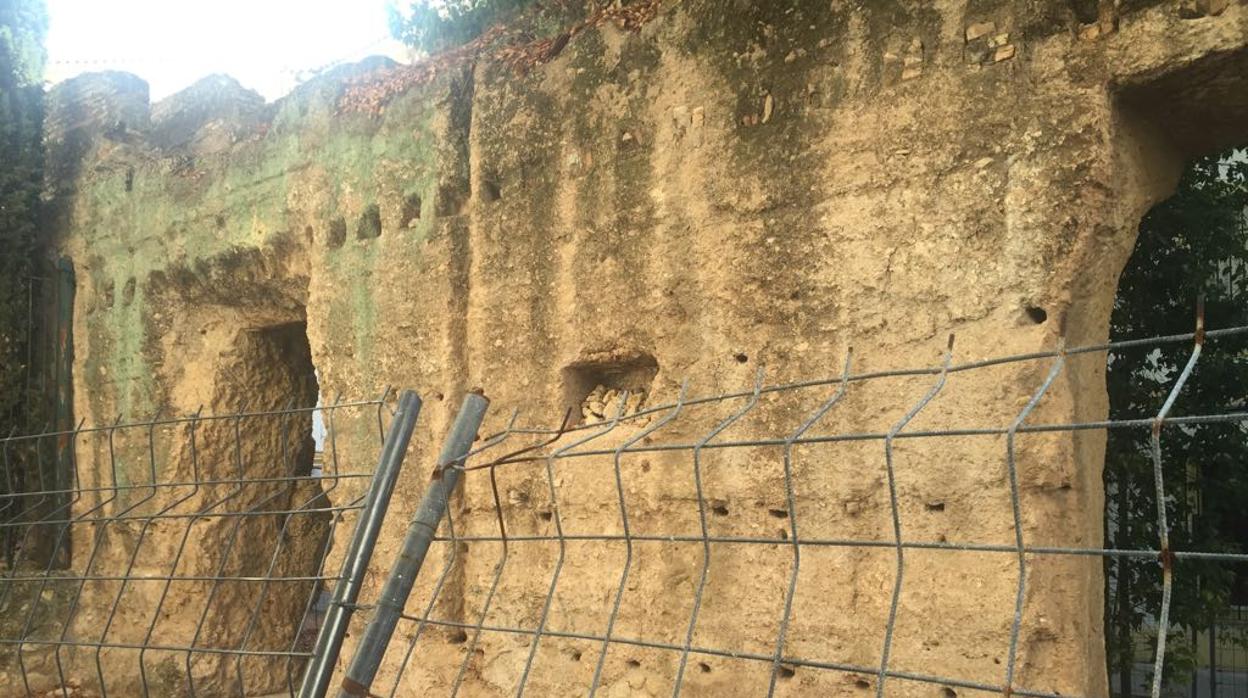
[616, 558]
[191, 555]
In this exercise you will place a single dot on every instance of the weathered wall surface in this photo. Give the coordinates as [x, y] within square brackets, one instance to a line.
[739, 183]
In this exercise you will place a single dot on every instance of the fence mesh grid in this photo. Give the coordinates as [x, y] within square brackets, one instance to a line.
[177, 555]
[190, 555]
[520, 552]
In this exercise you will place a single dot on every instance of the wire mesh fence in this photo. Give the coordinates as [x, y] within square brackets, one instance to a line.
[886, 532]
[190, 555]
[781, 540]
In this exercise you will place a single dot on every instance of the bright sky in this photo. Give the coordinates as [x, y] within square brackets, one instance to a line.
[267, 45]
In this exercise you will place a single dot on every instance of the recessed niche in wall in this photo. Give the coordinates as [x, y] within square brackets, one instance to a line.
[593, 387]
[369, 226]
[451, 199]
[337, 233]
[411, 210]
[127, 291]
[269, 368]
[491, 187]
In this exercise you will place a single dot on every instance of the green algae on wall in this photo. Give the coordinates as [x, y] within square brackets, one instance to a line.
[191, 208]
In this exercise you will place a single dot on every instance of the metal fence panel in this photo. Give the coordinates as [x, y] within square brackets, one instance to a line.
[190, 555]
[549, 454]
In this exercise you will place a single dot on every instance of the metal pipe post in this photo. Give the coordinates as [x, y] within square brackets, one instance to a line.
[420, 533]
[320, 669]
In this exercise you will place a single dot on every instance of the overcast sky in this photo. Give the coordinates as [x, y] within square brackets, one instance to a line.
[265, 44]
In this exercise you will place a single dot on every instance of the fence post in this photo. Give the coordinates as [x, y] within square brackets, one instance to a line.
[372, 647]
[320, 668]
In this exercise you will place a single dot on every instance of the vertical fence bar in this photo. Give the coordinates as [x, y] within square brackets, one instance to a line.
[791, 500]
[1213, 659]
[896, 512]
[1163, 526]
[320, 669]
[424, 525]
[501, 565]
[706, 542]
[628, 538]
[452, 558]
[1016, 507]
[559, 536]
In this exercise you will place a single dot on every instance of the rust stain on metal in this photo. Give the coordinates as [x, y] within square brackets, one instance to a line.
[1167, 559]
[1200, 321]
[355, 688]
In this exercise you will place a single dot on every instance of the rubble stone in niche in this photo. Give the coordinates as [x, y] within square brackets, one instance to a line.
[595, 386]
[604, 404]
[912, 62]
[984, 44]
[979, 30]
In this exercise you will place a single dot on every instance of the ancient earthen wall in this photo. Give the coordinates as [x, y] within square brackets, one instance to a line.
[737, 184]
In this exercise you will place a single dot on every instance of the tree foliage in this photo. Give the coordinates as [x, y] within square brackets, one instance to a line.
[1193, 244]
[23, 24]
[432, 26]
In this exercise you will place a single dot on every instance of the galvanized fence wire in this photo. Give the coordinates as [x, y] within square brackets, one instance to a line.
[186, 533]
[567, 443]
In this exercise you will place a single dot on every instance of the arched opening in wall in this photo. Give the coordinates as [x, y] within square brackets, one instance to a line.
[321, 596]
[269, 369]
[1192, 245]
[286, 380]
[242, 550]
[251, 365]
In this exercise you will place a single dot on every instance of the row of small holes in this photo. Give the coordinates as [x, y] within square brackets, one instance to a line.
[722, 510]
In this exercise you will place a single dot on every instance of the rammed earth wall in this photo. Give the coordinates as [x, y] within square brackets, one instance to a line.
[737, 184]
